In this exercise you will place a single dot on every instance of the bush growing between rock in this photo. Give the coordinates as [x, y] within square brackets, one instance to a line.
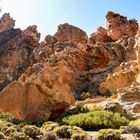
[109, 134]
[6, 116]
[85, 95]
[96, 120]
[95, 107]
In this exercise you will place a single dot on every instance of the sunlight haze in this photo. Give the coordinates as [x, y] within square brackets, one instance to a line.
[48, 14]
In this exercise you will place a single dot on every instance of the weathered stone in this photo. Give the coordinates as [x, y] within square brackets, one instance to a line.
[115, 81]
[99, 36]
[130, 94]
[16, 48]
[68, 32]
[118, 26]
[6, 23]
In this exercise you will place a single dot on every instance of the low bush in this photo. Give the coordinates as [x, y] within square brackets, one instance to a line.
[85, 95]
[31, 130]
[63, 131]
[49, 126]
[51, 136]
[109, 134]
[19, 136]
[135, 123]
[9, 131]
[6, 116]
[95, 107]
[96, 120]
[2, 136]
[79, 135]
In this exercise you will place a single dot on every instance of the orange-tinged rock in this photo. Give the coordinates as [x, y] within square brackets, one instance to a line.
[68, 32]
[118, 26]
[99, 36]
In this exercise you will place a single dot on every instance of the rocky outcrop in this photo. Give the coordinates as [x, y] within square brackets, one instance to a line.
[16, 48]
[48, 76]
[67, 32]
[6, 23]
[99, 36]
[118, 26]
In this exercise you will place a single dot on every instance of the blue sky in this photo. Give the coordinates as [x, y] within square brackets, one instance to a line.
[48, 14]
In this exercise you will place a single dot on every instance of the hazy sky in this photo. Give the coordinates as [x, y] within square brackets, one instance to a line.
[48, 14]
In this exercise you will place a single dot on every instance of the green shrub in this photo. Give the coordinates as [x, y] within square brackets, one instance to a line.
[49, 126]
[85, 95]
[50, 136]
[73, 110]
[95, 107]
[135, 123]
[63, 131]
[2, 136]
[9, 131]
[31, 130]
[109, 134]
[19, 136]
[79, 135]
[6, 116]
[96, 120]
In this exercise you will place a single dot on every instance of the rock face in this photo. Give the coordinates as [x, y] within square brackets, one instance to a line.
[16, 53]
[118, 26]
[45, 78]
[99, 36]
[6, 23]
[70, 33]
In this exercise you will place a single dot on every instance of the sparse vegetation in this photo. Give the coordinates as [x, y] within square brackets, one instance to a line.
[19, 136]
